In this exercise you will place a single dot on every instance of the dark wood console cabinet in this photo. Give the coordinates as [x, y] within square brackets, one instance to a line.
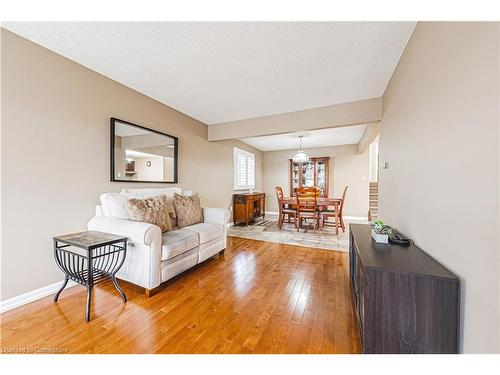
[248, 206]
[406, 302]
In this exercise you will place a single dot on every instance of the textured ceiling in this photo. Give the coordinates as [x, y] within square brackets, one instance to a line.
[219, 71]
[346, 135]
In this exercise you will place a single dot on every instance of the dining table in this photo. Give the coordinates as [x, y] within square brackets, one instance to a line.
[321, 203]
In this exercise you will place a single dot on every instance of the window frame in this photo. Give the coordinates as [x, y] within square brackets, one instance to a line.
[236, 169]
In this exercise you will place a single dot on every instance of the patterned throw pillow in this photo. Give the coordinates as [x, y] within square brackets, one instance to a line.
[150, 210]
[171, 208]
[188, 210]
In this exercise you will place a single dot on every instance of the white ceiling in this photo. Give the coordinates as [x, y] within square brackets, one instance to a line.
[346, 135]
[139, 154]
[125, 130]
[223, 71]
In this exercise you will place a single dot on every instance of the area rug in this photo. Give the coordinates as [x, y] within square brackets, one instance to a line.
[267, 230]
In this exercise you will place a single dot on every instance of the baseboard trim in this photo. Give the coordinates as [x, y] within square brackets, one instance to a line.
[31, 296]
[356, 217]
[271, 213]
[228, 225]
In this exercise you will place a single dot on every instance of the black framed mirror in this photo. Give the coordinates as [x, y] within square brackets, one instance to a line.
[140, 154]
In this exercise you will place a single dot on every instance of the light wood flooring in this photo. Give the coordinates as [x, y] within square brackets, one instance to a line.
[259, 297]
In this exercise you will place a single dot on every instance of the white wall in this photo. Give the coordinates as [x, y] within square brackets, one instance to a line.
[347, 167]
[168, 168]
[152, 173]
[440, 134]
[374, 161]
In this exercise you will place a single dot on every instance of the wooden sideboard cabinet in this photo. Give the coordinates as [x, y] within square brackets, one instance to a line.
[405, 301]
[248, 206]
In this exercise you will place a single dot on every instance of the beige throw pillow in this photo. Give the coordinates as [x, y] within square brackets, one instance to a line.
[188, 210]
[151, 210]
[171, 208]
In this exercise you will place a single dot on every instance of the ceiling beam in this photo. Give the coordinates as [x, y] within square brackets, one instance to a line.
[371, 132]
[344, 114]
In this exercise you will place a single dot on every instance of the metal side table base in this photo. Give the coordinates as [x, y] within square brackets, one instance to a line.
[89, 258]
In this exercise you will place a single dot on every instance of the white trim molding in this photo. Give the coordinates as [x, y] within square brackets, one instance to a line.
[271, 213]
[356, 218]
[33, 295]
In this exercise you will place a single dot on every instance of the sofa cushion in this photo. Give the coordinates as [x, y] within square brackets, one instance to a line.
[177, 242]
[188, 210]
[176, 265]
[148, 193]
[114, 205]
[207, 231]
[150, 210]
[210, 248]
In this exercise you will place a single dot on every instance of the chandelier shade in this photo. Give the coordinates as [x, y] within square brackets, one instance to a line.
[300, 156]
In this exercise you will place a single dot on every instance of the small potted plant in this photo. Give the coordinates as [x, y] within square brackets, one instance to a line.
[380, 232]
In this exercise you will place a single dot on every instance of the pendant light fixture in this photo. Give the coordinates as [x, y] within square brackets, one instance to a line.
[300, 156]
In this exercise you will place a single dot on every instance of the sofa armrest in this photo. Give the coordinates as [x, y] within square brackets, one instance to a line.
[216, 215]
[137, 232]
[142, 264]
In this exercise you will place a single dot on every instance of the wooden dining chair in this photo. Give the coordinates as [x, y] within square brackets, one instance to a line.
[307, 208]
[330, 212]
[283, 209]
[309, 191]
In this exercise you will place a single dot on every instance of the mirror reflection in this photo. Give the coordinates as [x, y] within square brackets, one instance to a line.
[142, 155]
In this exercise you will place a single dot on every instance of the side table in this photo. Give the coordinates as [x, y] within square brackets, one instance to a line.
[89, 258]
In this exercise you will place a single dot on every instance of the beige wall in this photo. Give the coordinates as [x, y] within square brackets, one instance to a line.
[371, 132]
[347, 167]
[55, 155]
[373, 151]
[440, 135]
[498, 136]
[350, 113]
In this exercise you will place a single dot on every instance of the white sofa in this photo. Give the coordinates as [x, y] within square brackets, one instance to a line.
[154, 257]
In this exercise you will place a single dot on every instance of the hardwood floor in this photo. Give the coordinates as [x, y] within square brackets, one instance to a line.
[259, 297]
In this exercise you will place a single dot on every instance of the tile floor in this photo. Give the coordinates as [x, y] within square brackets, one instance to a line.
[267, 230]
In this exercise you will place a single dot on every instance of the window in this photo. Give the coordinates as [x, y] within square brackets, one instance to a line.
[244, 169]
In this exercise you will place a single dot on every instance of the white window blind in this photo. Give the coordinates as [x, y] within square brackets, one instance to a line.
[244, 169]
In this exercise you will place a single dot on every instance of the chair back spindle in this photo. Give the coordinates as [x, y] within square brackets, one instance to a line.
[280, 197]
[282, 207]
[343, 201]
[307, 202]
[307, 207]
[310, 191]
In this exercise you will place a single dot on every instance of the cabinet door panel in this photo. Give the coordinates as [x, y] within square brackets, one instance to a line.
[294, 177]
[313, 173]
[307, 174]
[321, 177]
[361, 293]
